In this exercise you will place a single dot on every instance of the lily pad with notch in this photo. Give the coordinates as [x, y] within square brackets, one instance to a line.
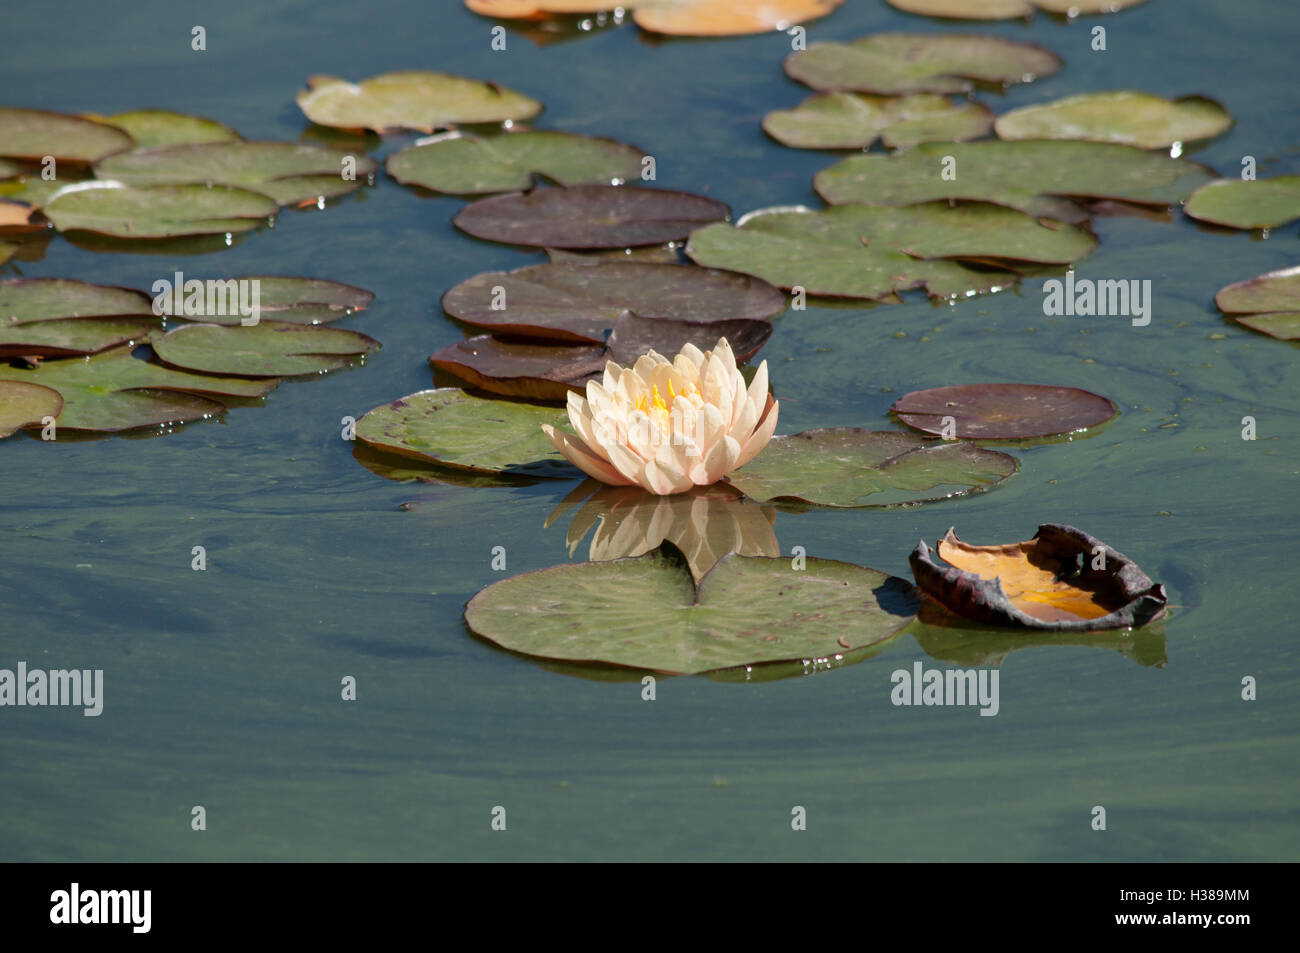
[838, 120]
[647, 613]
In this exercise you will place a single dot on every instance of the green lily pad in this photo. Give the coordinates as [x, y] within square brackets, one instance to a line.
[588, 216]
[67, 336]
[1269, 303]
[471, 165]
[851, 467]
[1132, 118]
[1038, 178]
[647, 613]
[288, 299]
[290, 173]
[580, 301]
[893, 63]
[33, 134]
[457, 430]
[23, 300]
[1007, 9]
[161, 127]
[1003, 411]
[856, 120]
[161, 211]
[267, 349]
[1236, 203]
[859, 251]
[411, 99]
[113, 391]
[24, 404]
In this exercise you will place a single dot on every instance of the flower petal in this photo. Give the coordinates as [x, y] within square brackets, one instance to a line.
[577, 453]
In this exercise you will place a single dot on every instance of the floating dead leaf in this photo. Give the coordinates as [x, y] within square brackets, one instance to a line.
[1061, 579]
[1003, 411]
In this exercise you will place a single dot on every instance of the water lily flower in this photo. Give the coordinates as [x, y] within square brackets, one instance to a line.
[667, 426]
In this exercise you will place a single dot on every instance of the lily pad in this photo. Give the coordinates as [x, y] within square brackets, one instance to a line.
[69, 336]
[1003, 411]
[647, 613]
[894, 63]
[580, 301]
[161, 211]
[546, 372]
[726, 17]
[1269, 304]
[1236, 203]
[859, 251]
[411, 99]
[851, 467]
[856, 120]
[1007, 9]
[33, 134]
[457, 430]
[1061, 579]
[634, 335]
[589, 216]
[267, 349]
[472, 165]
[113, 391]
[23, 300]
[289, 299]
[1133, 118]
[23, 404]
[705, 523]
[290, 173]
[161, 127]
[1038, 178]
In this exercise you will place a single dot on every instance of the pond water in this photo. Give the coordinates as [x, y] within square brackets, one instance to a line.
[222, 687]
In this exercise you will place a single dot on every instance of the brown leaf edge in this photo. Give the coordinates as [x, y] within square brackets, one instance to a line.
[984, 600]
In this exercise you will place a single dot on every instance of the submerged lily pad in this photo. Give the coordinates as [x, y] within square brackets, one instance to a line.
[1003, 411]
[1039, 178]
[23, 300]
[580, 301]
[1061, 579]
[267, 349]
[859, 251]
[290, 173]
[457, 430]
[23, 404]
[33, 134]
[68, 336]
[113, 391]
[161, 127]
[894, 63]
[647, 613]
[856, 120]
[473, 165]
[589, 216]
[161, 211]
[704, 523]
[1269, 303]
[851, 467]
[1236, 203]
[411, 99]
[1007, 9]
[1133, 118]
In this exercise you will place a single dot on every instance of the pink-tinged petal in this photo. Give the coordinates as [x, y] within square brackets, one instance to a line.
[627, 463]
[721, 460]
[762, 433]
[576, 453]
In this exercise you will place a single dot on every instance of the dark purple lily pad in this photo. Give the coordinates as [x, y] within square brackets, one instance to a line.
[589, 216]
[635, 334]
[1061, 579]
[1003, 411]
[580, 301]
[545, 372]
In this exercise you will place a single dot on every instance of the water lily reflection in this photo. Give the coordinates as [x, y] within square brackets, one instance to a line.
[705, 523]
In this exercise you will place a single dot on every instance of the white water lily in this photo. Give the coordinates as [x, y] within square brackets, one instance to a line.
[667, 426]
